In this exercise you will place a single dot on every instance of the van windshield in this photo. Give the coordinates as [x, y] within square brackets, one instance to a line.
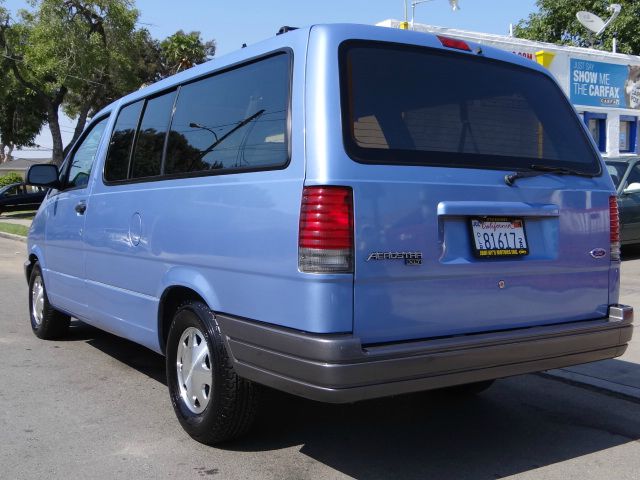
[420, 106]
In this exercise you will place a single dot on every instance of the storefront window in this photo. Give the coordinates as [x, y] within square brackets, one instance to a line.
[628, 134]
[597, 124]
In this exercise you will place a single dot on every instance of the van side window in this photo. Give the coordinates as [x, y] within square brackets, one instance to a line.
[233, 120]
[81, 160]
[117, 164]
[147, 153]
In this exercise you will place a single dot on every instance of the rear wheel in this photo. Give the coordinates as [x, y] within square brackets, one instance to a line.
[211, 402]
[46, 322]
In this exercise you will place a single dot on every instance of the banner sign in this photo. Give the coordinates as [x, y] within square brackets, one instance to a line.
[604, 84]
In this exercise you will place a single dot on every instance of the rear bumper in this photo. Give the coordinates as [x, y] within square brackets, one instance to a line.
[336, 368]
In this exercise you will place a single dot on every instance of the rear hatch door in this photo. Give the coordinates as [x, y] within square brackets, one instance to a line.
[444, 244]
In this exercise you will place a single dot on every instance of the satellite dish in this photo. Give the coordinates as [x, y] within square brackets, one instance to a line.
[594, 23]
[590, 21]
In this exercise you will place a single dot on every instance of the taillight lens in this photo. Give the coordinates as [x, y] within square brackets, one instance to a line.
[614, 225]
[325, 242]
[454, 43]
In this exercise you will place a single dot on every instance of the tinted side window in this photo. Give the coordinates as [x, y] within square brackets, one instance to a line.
[81, 161]
[13, 191]
[617, 171]
[634, 175]
[117, 163]
[147, 153]
[233, 120]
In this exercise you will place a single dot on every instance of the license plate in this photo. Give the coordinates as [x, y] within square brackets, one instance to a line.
[499, 237]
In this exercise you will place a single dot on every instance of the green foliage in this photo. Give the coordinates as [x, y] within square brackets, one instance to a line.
[21, 114]
[10, 178]
[184, 50]
[556, 22]
[75, 43]
[80, 55]
[75, 53]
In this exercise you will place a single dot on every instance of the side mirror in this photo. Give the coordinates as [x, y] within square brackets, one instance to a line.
[632, 188]
[43, 176]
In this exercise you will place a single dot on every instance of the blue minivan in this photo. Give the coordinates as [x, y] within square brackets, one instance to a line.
[341, 212]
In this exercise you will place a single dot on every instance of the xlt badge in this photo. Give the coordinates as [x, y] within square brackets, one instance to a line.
[410, 258]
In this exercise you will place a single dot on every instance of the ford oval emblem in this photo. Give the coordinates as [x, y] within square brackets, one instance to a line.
[598, 252]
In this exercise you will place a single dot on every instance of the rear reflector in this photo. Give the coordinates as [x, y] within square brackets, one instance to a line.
[614, 225]
[325, 242]
[453, 43]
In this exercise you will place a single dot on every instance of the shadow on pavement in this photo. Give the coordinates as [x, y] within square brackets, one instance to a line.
[518, 425]
[131, 354]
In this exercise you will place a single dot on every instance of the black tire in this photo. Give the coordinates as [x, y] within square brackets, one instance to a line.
[232, 401]
[470, 388]
[52, 324]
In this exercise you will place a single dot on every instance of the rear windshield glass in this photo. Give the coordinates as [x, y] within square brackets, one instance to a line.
[415, 105]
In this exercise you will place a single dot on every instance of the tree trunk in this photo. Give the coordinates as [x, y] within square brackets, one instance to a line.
[57, 155]
[1, 153]
[82, 121]
[9, 155]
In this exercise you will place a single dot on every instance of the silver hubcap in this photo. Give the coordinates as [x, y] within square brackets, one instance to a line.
[193, 365]
[37, 300]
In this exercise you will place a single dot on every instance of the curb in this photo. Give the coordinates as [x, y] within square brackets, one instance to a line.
[12, 236]
[597, 383]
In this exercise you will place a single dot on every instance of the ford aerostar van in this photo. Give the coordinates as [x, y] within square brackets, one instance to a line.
[341, 212]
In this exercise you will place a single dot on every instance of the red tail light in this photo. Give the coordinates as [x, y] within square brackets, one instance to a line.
[454, 43]
[326, 230]
[614, 223]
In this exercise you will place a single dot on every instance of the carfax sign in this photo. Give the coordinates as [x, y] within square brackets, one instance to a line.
[604, 84]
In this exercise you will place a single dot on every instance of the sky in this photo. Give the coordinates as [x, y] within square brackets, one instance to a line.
[232, 23]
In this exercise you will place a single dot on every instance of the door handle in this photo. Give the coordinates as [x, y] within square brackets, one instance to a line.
[81, 207]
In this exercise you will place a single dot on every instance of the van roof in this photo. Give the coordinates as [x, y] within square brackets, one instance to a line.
[292, 37]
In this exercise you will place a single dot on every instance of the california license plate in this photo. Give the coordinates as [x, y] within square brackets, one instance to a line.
[499, 237]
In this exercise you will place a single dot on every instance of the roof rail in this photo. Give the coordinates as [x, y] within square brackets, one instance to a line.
[286, 29]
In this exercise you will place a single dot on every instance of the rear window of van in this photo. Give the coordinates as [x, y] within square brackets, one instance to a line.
[417, 105]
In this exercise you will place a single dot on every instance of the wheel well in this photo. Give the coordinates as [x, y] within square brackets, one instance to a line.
[32, 261]
[171, 299]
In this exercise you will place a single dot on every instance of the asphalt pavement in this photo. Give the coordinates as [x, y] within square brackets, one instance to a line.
[96, 406]
[620, 375]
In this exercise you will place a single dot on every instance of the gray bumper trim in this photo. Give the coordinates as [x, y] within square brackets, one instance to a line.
[337, 368]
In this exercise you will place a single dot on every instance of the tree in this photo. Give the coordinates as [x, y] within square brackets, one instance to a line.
[184, 50]
[556, 22]
[21, 117]
[80, 55]
[72, 52]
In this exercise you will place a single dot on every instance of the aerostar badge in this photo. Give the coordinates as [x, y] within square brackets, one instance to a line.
[410, 258]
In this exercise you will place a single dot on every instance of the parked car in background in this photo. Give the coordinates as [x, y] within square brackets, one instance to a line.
[19, 196]
[625, 173]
